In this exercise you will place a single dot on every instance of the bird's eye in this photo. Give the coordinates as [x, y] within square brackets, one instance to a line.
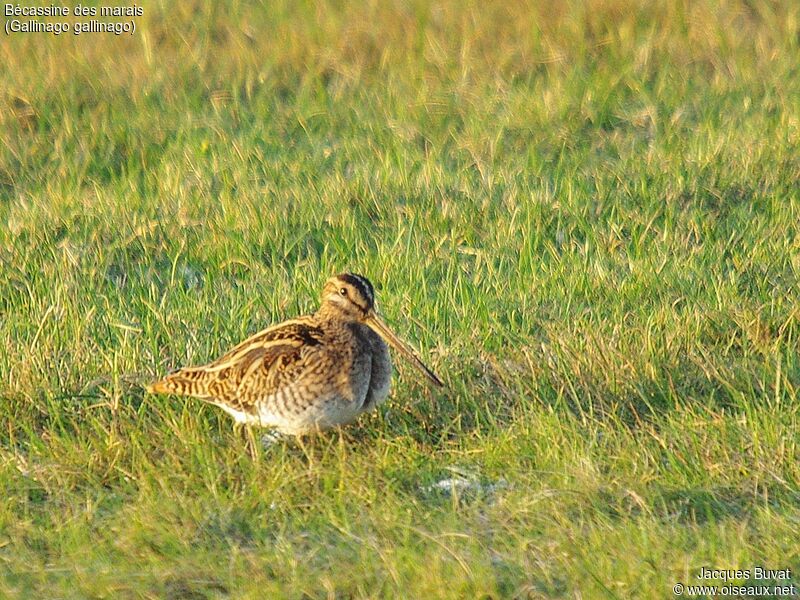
[343, 291]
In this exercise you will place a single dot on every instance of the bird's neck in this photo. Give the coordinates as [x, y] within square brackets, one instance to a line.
[331, 312]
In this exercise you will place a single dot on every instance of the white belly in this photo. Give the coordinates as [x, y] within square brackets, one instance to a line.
[325, 413]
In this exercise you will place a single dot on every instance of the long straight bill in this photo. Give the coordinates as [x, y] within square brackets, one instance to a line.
[395, 342]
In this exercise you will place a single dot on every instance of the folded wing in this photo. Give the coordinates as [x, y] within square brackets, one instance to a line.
[259, 367]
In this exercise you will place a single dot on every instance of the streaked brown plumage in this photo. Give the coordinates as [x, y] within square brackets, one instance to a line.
[307, 374]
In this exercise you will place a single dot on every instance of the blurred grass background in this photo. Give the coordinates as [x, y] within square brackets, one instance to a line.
[584, 213]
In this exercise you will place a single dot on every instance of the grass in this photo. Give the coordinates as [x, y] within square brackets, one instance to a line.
[584, 214]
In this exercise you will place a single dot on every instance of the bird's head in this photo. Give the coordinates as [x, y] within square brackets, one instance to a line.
[351, 297]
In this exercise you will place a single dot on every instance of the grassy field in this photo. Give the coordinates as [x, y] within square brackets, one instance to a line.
[584, 214]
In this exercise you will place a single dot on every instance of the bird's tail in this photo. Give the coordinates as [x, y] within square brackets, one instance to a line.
[183, 382]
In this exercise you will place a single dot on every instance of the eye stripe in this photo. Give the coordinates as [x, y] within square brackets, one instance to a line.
[362, 285]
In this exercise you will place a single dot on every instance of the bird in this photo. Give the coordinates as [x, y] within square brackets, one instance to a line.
[308, 374]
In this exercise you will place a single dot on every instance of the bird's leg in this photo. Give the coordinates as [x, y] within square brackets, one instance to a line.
[271, 438]
[245, 431]
[301, 441]
[251, 443]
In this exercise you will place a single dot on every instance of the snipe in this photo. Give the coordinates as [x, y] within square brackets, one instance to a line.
[307, 374]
